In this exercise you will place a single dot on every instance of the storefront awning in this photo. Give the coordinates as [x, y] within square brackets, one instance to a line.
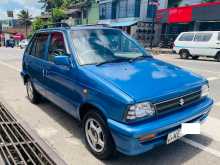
[122, 24]
[18, 36]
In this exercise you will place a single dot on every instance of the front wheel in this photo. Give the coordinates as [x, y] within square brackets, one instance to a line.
[184, 54]
[32, 94]
[97, 136]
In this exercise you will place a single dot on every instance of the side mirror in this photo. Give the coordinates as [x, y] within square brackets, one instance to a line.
[62, 60]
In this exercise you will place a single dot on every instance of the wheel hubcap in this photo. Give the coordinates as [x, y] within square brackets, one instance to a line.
[94, 135]
[30, 90]
[184, 55]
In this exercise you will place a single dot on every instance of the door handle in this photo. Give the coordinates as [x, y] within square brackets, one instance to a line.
[44, 72]
[218, 43]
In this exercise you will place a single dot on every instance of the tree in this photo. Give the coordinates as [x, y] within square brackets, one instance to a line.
[58, 14]
[25, 19]
[37, 24]
[48, 5]
[67, 3]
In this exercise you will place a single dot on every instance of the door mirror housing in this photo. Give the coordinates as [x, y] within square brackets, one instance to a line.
[62, 60]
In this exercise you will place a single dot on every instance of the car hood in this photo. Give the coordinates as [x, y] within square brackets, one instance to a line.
[147, 79]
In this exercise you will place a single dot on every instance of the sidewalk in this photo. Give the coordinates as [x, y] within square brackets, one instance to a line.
[157, 51]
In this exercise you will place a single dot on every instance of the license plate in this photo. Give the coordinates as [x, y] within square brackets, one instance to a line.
[173, 136]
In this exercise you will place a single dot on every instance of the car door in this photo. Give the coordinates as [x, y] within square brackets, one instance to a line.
[185, 41]
[203, 44]
[60, 79]
[36, 61]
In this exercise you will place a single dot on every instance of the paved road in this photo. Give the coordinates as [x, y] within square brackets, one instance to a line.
[63, 134]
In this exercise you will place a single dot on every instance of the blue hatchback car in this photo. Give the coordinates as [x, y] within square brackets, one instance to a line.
[125, 99]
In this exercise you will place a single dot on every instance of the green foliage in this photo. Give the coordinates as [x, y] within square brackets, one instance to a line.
[48, 5]
[57, 7]
[66, 3]
[24, 17]
[38, 24]
[58, 14]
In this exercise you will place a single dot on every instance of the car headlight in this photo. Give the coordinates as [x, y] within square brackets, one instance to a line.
[205, 90]
[140, 110]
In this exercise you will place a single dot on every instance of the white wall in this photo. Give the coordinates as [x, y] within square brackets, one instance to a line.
[163, 4]
[143, 11]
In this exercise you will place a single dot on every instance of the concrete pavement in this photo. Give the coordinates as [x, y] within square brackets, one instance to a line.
[64, 135]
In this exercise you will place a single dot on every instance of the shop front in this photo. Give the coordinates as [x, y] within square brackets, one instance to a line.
[195, 17]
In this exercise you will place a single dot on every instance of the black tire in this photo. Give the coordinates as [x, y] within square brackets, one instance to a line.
[184, 54]
[195, 57]
[32, 94]
[218, 57]
[109, 145]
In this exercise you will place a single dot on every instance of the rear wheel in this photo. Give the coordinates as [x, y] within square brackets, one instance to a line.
[97, 136]
[32, 94]
[184, 54]
[195, 57]
[218, 57]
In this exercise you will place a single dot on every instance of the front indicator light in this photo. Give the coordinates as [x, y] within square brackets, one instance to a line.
[146, 137]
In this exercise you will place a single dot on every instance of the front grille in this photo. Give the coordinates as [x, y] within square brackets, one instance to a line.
[178, 103]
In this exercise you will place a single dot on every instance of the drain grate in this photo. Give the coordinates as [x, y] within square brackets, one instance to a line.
[17, 146]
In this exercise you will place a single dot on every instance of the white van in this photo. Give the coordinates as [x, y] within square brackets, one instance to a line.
[195, 44]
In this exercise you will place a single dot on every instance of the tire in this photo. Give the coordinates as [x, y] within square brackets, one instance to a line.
[218, 57]
[195, 57]
[97, 136]
[184, 54]
[32, 94]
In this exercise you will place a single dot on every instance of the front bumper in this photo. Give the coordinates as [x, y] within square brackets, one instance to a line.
[126, 136]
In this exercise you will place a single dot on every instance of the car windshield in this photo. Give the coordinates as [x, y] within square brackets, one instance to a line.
[104, 45]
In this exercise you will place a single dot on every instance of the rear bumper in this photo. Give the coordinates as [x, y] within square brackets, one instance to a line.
[126, 136]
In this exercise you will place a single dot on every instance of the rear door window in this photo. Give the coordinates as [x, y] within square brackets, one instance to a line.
[187, 37]
[39, 45]
[203, 37]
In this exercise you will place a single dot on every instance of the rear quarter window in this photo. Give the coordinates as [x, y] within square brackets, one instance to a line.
[38, 45]
[203, 37]
[186, 37]
[30, 45]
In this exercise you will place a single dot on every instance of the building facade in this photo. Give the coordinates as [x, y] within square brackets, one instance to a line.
[188, 15]
[133, 16]
[83, 12]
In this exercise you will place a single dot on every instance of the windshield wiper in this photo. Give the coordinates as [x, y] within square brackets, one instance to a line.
[139, 58]
[113, 61]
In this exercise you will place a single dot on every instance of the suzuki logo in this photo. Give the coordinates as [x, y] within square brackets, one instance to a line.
[181, 102]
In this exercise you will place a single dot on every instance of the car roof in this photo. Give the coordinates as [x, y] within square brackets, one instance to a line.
[79, 27]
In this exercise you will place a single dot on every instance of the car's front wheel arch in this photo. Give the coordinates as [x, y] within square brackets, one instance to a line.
[87, 107]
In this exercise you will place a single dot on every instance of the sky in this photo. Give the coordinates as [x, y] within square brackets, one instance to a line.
[16, 5]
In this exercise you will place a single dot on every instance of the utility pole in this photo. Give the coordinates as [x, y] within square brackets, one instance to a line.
[152, 3]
